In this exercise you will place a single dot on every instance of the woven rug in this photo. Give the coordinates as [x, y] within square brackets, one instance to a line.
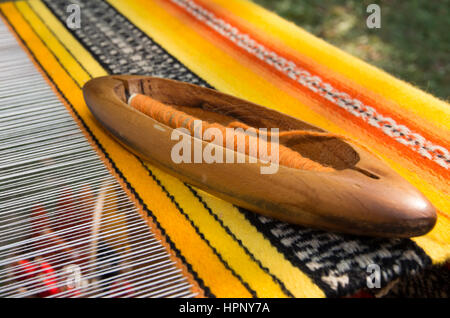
[241, 49]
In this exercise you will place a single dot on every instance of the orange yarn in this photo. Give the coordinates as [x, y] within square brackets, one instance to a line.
[303, 133]
[178, 119]
[290, 133]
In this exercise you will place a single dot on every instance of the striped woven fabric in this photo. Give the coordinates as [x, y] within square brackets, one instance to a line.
[241, 49]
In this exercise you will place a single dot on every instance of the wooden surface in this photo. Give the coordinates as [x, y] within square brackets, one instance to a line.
[361, 196]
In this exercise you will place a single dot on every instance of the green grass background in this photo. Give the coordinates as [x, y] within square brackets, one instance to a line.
[413, 42]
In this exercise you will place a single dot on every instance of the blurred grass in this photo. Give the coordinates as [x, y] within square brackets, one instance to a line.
[413, 42]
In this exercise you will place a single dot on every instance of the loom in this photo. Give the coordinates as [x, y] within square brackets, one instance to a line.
[67, 229]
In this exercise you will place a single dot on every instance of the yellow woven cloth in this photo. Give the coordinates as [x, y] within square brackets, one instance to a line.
[244, 50]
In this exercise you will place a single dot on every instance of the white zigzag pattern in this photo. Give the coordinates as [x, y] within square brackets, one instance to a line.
[398, 132]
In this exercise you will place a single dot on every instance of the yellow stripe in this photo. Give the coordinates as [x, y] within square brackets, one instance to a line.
[222, 241]
[220, 280]
[407, 96]
[439, 253]
[185, 43]
[261, 248]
